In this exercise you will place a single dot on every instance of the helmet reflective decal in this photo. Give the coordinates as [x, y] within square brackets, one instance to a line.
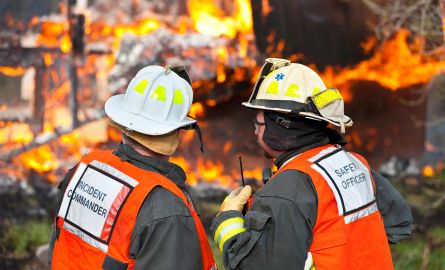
[273, 88]
[315, 91]
[178, 98]
[326, 97]
[293, 91]
[140, 87]
[159, 93]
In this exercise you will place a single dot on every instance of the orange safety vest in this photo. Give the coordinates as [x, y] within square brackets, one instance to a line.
[349, 231]
[99, 210]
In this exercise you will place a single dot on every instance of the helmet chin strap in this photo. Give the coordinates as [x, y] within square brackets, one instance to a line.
[197, 129]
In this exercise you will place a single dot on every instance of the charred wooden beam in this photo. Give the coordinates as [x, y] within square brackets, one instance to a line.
[27, 57]
[20, 114]
[41, 79]
[74, 104]
[24, 57]
[327, 32]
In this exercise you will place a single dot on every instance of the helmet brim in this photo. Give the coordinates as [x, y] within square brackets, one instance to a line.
[114, 108]
[347, 121]
[266, 108]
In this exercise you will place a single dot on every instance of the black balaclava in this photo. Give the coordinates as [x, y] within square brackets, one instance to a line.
[301, 132]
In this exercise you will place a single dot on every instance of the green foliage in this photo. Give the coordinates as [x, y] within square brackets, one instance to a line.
[18, 240]
[216, 253]
[407, 255]
[421, 251]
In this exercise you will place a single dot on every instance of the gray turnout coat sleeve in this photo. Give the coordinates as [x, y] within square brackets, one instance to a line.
[396, 213]
[279, 225]
[164, 236]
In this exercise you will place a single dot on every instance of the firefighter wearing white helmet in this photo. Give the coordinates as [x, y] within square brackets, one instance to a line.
[323, 208]
[130, 208]
[157, 102]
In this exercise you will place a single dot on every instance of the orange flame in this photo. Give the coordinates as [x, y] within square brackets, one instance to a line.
[181, 162]
[397, 65]
[197, 110]
[41, 159]
[15, 133]
[210, 170]
[12, 71]
[211, 20]
[54, 35]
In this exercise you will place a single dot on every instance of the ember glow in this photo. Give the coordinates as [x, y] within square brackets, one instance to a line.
[12, 71]
[15, 133]
[54, 34]
[428, 171]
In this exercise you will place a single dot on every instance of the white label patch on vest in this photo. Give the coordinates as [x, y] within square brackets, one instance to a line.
[92, 203]
[351, 183]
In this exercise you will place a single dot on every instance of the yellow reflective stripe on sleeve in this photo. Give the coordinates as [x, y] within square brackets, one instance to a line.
[227, 229]
[272, 88]
[293, 91]
[326, 97]
[140, 87]
[228, 236]
[159, 93]
[177, 97]
[226, 223]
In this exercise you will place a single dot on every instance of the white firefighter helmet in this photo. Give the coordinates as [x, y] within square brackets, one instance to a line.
[292, 88]
[156, 102]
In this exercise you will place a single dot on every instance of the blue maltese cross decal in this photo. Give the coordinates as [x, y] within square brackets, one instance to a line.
[279, 76]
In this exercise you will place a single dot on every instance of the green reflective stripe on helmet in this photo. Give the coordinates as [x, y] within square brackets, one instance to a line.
[159, 93]
[177, 97]
[326, 97]
[140, 87]
[293, 91]
[315, 91]
[272, 88]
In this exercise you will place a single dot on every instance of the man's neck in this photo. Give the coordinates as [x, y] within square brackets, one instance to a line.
[147, 152]
[144, 150]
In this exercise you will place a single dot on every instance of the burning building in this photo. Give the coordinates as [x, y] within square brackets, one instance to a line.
[68, 62]
[60, 63]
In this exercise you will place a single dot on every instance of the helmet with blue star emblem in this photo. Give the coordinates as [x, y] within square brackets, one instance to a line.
[296, 89]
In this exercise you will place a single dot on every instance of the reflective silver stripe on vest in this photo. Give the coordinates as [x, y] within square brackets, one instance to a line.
[114, 172]
[362, 213]
[86, 238]
[322, 153]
